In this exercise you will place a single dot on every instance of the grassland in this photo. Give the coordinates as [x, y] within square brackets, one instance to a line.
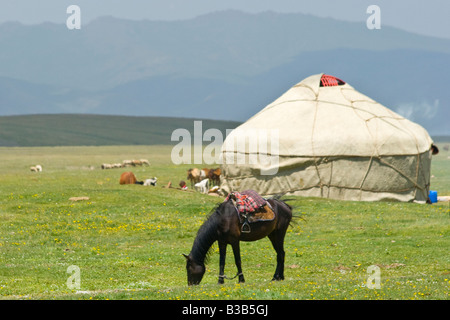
[94, 130]
[127, 240]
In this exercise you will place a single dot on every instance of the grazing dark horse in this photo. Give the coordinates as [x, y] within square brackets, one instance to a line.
[224, 226]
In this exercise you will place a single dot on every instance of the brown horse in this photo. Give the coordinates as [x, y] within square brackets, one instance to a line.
[224, 226]
[214, 176]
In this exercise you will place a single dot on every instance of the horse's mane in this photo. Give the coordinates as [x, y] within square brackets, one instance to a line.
[207, 235]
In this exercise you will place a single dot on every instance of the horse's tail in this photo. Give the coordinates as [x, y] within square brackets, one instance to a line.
[279, 198]
[289, 209]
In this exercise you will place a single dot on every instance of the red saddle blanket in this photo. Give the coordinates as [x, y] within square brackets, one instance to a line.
[251, 207]
[247, 201]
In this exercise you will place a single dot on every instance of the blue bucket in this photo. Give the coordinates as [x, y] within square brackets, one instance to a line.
[433, 196]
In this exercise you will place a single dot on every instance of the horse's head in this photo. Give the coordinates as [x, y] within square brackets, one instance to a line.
[195, 271]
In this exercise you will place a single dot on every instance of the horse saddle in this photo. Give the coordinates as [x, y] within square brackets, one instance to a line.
[251, 207]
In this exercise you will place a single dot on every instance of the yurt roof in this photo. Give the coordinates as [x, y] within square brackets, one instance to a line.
[325, 116]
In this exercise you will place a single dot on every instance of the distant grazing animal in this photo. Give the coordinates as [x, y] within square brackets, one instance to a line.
[206, 172]
[111, 165]
[214, 176]
[106, 166]
[129, 178]
[135, 163]
[202, 186]
[37, 168]
[192, 175]
[151, 182]
[195, 175]
[126, 163]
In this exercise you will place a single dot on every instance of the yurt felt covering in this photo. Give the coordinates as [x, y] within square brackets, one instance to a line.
[332, 142]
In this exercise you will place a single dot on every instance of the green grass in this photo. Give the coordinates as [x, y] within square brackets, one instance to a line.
[127, 240]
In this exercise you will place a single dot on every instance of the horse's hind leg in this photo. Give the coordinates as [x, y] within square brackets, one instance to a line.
[278, 244]
[237, 260]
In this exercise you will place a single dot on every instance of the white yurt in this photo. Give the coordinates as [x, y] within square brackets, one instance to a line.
[323, 138]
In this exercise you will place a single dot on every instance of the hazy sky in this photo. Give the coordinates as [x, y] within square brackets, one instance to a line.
[431, 17]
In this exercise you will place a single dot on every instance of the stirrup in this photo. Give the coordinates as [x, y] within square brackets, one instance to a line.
[245, 228]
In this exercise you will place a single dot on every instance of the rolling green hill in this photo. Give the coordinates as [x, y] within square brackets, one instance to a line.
[95, 130]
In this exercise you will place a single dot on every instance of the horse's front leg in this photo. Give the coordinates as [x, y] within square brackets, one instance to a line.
[237, 260]
[223, 253]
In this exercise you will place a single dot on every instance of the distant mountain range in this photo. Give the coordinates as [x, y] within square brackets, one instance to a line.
[226, 65]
